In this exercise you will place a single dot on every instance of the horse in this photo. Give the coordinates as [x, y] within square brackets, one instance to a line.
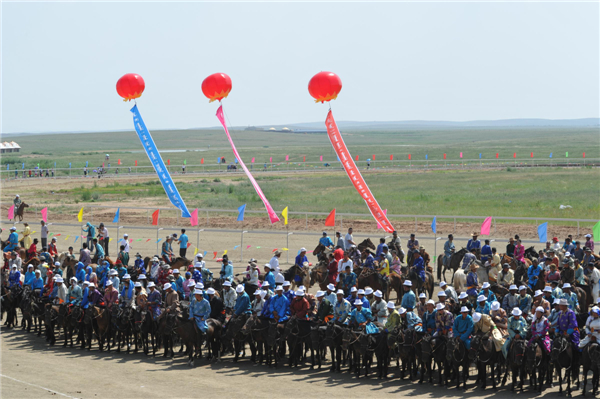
[20, 211]
[394, 247]
[369, 344]
[319, 274]
[366, 243]
[74, 321]
[317, 335]
[454, 263]
[420, 285]
[395, 282]
[122, 323]
[296, 271]
[352, 347]
[322, 253]
[368, 277]
[590, 359]
[258, 329]
[483, 352]
[144, 326]
[11, 298]
[499, 291]
[298, 333]
[434, 348]
[101, 325]
[459, 280]
[401, 347]
[233, 338]
[213, 339]
[563, 356]
[333, 338]
[457, 355]
[514, 363]
[63, 321]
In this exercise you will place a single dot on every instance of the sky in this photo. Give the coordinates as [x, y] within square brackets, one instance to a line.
[398, 61]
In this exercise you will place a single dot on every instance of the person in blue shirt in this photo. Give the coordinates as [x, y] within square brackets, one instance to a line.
[91, 233]
[226, 272]
[326, 241]
[242, 302]
[449, 249]
[29, 276]
[14, 278]
[379, 249]
[483, 306]
[99, 251]
[473, 243]
[126, 294]
[429, 317]
[179, 280]
[139, 264]
[200, 310]
[486, 252]
[266, 310]
[279, 306]
[369, 260]
[13, 240]
[183, 243]
[360, 294]
[533, 273]
[154, 300]
[80, 273]
[361, 316]
[348, 279]
[45, 256]
[491, 297]
[409, 299]
[301, 261]
[411, 319]
[463, 326]
[85, 295]
[419, 265]
[472, 282]
[74, 295]
[287, 292]
[102, 273]
[38, 282]
[269, 277]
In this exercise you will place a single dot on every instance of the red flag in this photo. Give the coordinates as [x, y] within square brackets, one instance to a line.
[194, 218]
[274, 250]
[136, 163]
[444, 156]
[271, 159]
[373, 157]
[45, 214]
[584, 154]
[188, 245]
[330, 221]
[214, 255]
[304, 160]
[408, 156]
[532, 155]
[497, 155]
[148, 239]
[391, 157]
[202, 161]
[119, 162]
[514, 155]
[357, 158]
[252, 161]
[102, 164]
[168, 162]
[155, 217]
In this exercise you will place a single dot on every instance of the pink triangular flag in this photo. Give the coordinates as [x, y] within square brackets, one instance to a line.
[252, 160]
[248, 246]
[194, 218]
[45, 214]
[11, 212]
[385, 213]
[271, 159]
[321, 158]
[287, 157]
[485, 226]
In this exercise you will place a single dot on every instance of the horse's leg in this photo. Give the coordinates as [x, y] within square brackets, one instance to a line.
[585, 376]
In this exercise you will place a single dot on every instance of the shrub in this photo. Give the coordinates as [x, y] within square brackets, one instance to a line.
[86, 195]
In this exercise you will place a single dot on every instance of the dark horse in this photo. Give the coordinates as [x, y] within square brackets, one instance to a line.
[333, 338]
[536, 364]
[420, 285]
[434, 348]
[590, 359]
[514, 363]
[483, 352]
[457, 355]
[454, 263]
[564, 356]
[21, 211]
[258, 329]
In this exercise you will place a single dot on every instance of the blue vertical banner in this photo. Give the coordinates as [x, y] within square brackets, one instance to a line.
[23, 166]
[7, 166]
[86, 164]
[434, 225]
[543, 232]
[219, 160]
[158, 163]
[241, 211]
[69, 165]
[426, 156]
[550, 155]
[117, 216]
[479, 155]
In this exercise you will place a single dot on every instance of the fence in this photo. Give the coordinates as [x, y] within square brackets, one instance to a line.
[300, 166]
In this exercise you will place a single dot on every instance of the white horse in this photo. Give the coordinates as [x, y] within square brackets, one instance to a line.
[460, 280]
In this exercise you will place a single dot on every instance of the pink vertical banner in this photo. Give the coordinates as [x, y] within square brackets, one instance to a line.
[461, 154]
[11, 212]
[485, 226]
[271, 159]
[385, 213]
[194, 218]
[287, 157]
[532, 155]
[321, 158]
[252, 160]
[272, 215]
[44, 213]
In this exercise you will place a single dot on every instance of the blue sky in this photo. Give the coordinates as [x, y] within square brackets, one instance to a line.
[397, 61]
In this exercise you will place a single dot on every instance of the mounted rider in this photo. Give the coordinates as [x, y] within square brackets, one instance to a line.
[463, 326]
[517, 329]
[449, 250]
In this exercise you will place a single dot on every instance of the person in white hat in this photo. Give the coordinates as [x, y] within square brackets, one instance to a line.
[517, 329]
[410, 320]
[450, 291]
[487, 292]
[342, 264]
[538, 300]
[393, 320]
[113, 277]
[361, 317]
[589, 243]
[483, 323]
[324, 309]
[279, 307]
[463, 301]
[242, 308]
[74, 293]
[171, 299]
[111, 295]
[483, 305]
[95, 297]
[127, 294]
[499, 318]
[444, 321]
[360, 294]
[379, 308]
[540, 328]
[61, 294]
[409, 299]
[200, 311]
[257, 303]
[300, 307]
[547, 295]
[592, 327]
[567, 322]
[511, 300]
[553, 318]
[287, 292]
[421, 305]
[342, 308]
[463, 326]
[301, 261]
[571, 297]
[154, 300]
[330, 294]
[429, 317]
[269, 276]
[229, 297]
[369, 294]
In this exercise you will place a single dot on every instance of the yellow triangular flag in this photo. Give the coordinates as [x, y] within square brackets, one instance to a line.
[284, 213]
[67, 238]
[284, 249]
[80, 215]
[225, 253]
[33, 232]
[195, 251]
[110, 239]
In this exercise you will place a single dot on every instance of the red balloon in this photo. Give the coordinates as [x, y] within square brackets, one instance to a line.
[217, 86]
[130, 86]
[325, 86]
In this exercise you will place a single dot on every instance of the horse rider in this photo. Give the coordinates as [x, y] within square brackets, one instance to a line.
[360, 294]
[449, 249]
[474, 243]
[74, 294]
[594, 280]
[506, 277]
[199, 311]
[324, 309]
[171, 300]
[14, 277]
[217, 309]
[525, 302]
[17, 202]
[226, 272]
[396, 244]
[468, 259]
[592, 328]
[517, 329]
[570, 297]
[258, 302]
[444, 321]
[409, 300]
[394, 320]
[411, 320]
[179, 280]
[450, 291]
[154, 300]
[13, 240]
[494, 268]
[279, 307]
[419, 266]
[99, 255]
[379, 308]
[29, 276]
[326, 241]
[429, 317]
[166, 251]
[421, 304]
[539, 329]
[300, 307]
[287, 292]
[127, 291]
[463, 327]
[486, 252]
[472, 281]
[330, 294]
[229, 297]
[242, 307]
[111, 295]
[379, 249]
[567, 325]
[413, 247]
[499, 318]
[348, 279]
[361, 317]
[489, 295]
[463, 301]
[95, 297]
[483, 323]
[483, 306]
[342, 308]
[519, 253]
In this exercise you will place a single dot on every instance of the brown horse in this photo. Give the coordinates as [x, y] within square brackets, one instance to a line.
[20, 211]
[366, 243]
[180, 262]
[395, 283]
[318, 274]
[321, 252]
[370, 278]
[101, 325]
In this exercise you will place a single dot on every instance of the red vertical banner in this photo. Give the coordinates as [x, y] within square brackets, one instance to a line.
[391, 157]
[409, 156]
[136, 162]
[303, 159]
[373, 157]
[497, 155]
[168, 162]
[584, 154]
[532, 155]
[118, 162]
[155, 217]
[354, 173]
[444, 156]
[357, 158]
[515, 155]
[202, 161]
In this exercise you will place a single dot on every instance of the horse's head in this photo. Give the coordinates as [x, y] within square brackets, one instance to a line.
[250, 323]
[347, 337]
[115, 311]
[88, 315]
[559, 345]
[476, 343]
[395, 337]
[518, 346]
[594, 351]
[531, 353]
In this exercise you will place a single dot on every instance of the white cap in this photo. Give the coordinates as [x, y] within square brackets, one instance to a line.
[176, 271]
[378, 294]
[476, 317]
[211, 291]
[302, 288]
[141, 277]
[596, 310]
[279, 279]
[56, 263]
[302, 249]
[547, 289]
[14, 266]
[263, 294]
[358, 302]
[557, 301]
[239, 289]
[586, 236]
[137, 284]
[126, 276]
[443, 284]
[408, 283]
[439, 306]
[200, 285]
[430, 302]
[330, 286]
[151, 284]
[278, 288]
[92, 285]
[30, 265]
[198, 292]
[422, 295]
[155, 259]
[512, 287]
[566, 285]
[125, 235]
[192, 285]
[368, 291]
[340, 291]
[287, 284]
[462, 295]
[464, 309]
[320, 294]
[167, 286]
[521, 288]
[108, 283]
[441, 293]
[537, 293]
[481, 298]
[86, 283]
[257, 292]
[299, 293]
[391, 305]
[266, 284]
[227, 284]
[353, 289]
[17, 195]
[563, 301]
[60, 280]
[113, 272]
[495, 305]
[516, 312]
[73, 278]
[360, 292]
[267, 265]
[539, 309]
[567, 254]
[401, 310]
[13, 228]
[486, 285]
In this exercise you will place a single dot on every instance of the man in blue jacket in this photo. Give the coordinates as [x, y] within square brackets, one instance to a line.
[242, 302]
[409, 300]
[280, 306]
[463, 326]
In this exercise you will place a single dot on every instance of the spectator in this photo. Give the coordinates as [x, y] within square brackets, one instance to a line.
[44, 234]
[348, 240]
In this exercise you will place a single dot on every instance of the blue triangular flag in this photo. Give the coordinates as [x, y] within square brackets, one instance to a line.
[434, 224]
[543, 232]
[205, 252]
[236, 247]
[550, 155]
[241, 211]
[76, 239]
[116, 219]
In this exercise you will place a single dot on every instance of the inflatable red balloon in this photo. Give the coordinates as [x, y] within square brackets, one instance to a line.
[325, 86]
[130, 86]
[217, 86]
